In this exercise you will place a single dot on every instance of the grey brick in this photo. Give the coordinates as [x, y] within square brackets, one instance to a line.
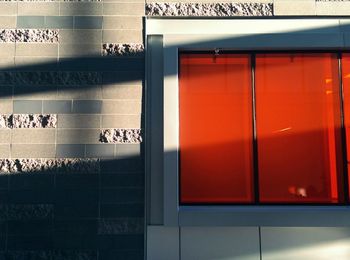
[6, 106]
[5, 136]
[88, 22]
[125, 151]
[79, 121]
[38, 8]
[87, 106]
[124, 9]
[30, 22]
[33, 150]
[33, 136]
[70, 150]
[121, 107]
[8, 22]
[121, 121]
[100, 150]
[27, 106]
[122, 22]
[80, 8]
[134, 36]
[80, 36]
[8, 8]
[57, 106]
[59, 22]
[78, 136]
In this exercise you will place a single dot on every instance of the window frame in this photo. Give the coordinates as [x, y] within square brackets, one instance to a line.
[165, 39]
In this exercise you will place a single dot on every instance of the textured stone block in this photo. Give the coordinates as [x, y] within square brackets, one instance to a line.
[49, 165]
[33, 136]
[78, 136]
[27, 106]
[76, 227]
[137, 9]
[78, 78]
[59, 22]
[121, 107]
[81, 8]
[209, 9]
[33, 121]
[33, 150]
[57, 106]
[30, 22]
[88, 22]
[7, 21]
[100, 150]
[29, 211]
[126, 49]
[87, 106]
[30, 78]
[121, 136]
[122, 22]
[76, 210]
[70, 150]
[122, 92]
[79, 121]
[121, 226]
[38, 8]
[36, 49]
[7, 78]
[124, 36]
[74, 254]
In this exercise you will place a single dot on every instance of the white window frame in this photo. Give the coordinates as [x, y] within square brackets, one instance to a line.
[165, 38]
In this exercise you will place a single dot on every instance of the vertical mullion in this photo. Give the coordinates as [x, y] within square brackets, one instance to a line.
[255, 142]
[343, 131]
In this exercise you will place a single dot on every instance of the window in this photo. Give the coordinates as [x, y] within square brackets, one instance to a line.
[263, 128]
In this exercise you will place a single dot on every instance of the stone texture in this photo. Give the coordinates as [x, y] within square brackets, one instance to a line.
[28, 121]
[29, 35]
[27, 211]
[49, 165]
[122, 49]
[130, 136]
[69, 78]
[209, 9]
[121, 226]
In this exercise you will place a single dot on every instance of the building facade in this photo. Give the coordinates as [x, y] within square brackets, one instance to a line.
[89, 130]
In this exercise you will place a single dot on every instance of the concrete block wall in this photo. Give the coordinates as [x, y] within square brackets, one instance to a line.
[71, 167]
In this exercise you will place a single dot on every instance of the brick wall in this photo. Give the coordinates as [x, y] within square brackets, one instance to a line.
[71, 181]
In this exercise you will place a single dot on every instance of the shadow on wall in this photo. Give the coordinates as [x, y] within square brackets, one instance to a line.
[67, 212]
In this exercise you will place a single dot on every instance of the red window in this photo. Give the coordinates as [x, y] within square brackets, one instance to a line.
[264, 128]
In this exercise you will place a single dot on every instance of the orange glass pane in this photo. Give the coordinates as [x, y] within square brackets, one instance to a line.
[346, 99]
[298, 128]
[215, 129]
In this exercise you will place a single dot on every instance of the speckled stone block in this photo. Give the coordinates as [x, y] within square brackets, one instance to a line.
[29, 35]
[121, 226]
[49, 165]
[27, 211]
[129, 136]
[68, 78]
[122, 49]
[209, 9]
[28, 121]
